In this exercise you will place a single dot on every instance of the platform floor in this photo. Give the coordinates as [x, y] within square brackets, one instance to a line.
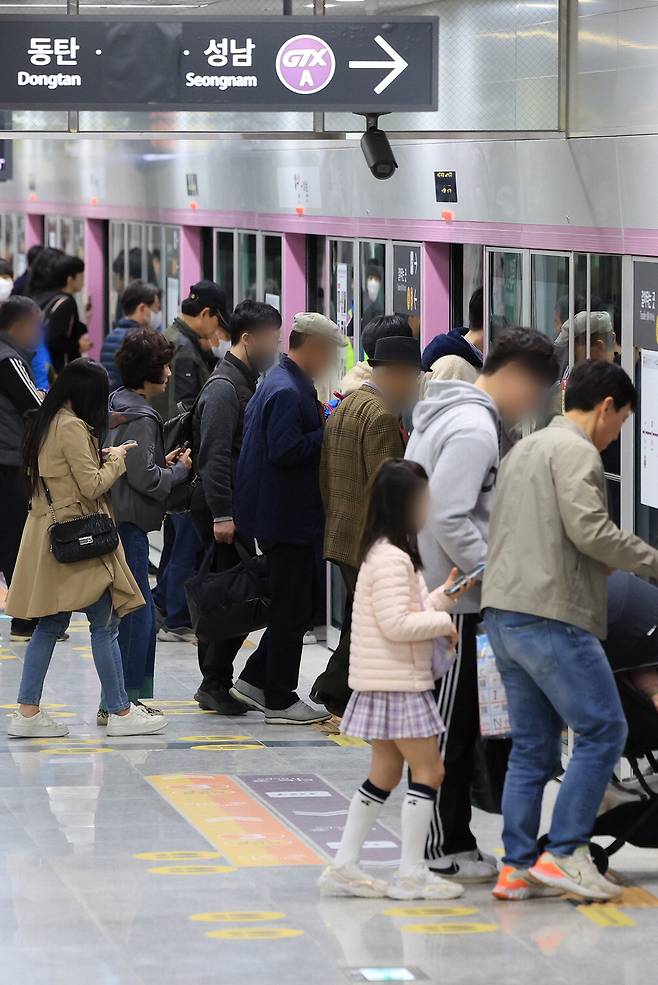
[192, 858]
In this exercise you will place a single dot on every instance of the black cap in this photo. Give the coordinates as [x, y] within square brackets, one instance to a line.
[397, 350]
[210, 295]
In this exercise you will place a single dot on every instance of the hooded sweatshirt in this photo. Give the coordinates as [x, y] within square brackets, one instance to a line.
[455, 438]
[359, 374]
[140, 495]
[451, 344]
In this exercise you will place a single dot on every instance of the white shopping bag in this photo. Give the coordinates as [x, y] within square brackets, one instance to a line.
[494, 714]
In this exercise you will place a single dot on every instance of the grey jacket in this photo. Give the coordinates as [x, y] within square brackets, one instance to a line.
[140, 495]
[551, 540]
[455, 438]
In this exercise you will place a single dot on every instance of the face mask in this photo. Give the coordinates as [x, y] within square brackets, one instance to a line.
[6, 286]
[155, 320]
[372, 286]
[219, 351]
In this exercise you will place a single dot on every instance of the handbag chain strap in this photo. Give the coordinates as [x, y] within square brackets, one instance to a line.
[49, 498]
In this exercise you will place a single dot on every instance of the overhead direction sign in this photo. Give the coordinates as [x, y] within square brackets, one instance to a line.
[266, 63]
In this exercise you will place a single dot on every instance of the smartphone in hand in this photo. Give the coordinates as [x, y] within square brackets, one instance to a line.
[474, 575]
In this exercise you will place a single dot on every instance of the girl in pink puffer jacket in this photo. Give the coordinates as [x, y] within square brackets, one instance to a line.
[396, 625]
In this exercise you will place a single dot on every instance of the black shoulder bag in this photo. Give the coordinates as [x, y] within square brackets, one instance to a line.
[82, 537]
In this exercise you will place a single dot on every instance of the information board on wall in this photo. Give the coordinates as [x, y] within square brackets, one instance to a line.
[406, 279]
[260, 63]
[649, 429]
[645, 313]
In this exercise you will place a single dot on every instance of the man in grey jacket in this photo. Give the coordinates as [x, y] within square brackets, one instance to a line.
[551, 546]
[456, 438]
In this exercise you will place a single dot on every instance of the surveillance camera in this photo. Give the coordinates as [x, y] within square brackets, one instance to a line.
[377, 150]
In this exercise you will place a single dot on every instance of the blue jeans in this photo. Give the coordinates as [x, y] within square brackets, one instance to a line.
[137, 630]
[554, 672]
[181, 564]
[104, 647]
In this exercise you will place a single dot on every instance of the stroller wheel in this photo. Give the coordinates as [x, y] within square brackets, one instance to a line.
[599, 857]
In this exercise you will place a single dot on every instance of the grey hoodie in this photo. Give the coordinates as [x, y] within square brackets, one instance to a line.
[140, 495]
[455, 438]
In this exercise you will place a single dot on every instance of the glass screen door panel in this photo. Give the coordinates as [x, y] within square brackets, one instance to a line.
[224, 265]
[272, 270]
[372, 284]
[506, 304]
[549, 292]
[247, 267]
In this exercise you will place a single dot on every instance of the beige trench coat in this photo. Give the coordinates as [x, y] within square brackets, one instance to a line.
[41, 586]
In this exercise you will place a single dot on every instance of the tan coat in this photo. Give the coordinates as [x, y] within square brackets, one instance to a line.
[41, 586]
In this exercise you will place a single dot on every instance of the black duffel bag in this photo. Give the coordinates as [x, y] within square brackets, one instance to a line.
[235, 602]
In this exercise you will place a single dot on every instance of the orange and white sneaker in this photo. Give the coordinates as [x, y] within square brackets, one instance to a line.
[574, 874]
[518, 884]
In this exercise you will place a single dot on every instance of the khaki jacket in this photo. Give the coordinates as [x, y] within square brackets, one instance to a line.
[551, 540]
[41, 586]
[360, 434]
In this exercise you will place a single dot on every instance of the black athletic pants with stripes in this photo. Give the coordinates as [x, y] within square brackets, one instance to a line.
[457, 698]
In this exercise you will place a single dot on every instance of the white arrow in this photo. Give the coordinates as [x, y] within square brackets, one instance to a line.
[397, 65]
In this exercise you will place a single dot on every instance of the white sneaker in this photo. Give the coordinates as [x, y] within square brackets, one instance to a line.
[137, 722]
[422, 883]
[310, 639]
[574, 874]
[179, 634]
[468, 867]
[298, 713]
[350, 880]
[39, 726]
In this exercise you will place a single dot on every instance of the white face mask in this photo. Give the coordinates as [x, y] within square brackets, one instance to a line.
[219, 351]
[372, 286]
[155, 320]
[6, 286]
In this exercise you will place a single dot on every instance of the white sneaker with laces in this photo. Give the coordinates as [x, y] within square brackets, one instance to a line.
[39, 726]
[422, 883]
[350, 880]
[468, 867]
[575, 873]
[137, 722]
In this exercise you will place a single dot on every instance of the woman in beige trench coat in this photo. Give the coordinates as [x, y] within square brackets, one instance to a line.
[63, 451]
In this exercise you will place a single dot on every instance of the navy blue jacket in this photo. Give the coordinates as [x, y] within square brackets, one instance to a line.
[111, 345]
[277, 489]
[451, 344]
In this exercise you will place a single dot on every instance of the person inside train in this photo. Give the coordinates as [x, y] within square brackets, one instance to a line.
[139, 496]
[66, 335]
[457, 355]
[362, 432]
[6, 279]
[545, 596]
[21, 282]
[69, 474]
[218, 426]
[382, 327]
[456, 438]
[278, 502]
[141, 309]
[20, 320]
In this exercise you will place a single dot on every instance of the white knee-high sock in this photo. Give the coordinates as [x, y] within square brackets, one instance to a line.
[417, 809]
[364, 810]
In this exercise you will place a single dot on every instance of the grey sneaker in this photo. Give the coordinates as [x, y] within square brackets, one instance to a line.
[179, 634]
[298, 713]
[253, 697]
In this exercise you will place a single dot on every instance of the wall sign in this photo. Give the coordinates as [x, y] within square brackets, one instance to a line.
[445, 186]
[264, 63]
[645, 311]
[406, 279]
[649, 429]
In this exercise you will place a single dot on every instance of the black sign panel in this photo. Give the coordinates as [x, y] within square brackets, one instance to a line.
[5, 149]
[406, 279]
[264, 63]
[445, 183]
[645, 305]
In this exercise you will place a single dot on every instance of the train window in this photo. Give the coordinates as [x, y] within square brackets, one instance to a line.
[247, 283]
[224, 266]
[372, 277]
[272, 270]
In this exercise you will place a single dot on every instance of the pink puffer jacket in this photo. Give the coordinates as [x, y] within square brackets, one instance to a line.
[392, 632]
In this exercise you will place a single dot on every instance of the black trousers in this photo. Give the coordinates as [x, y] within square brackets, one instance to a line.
[331, 687]
[294, 588]
[13, 514]
[457, 698]
[216, 658]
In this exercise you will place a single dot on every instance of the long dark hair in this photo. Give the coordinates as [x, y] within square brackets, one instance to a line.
[41, 277]
[85, 386]
[394, 489]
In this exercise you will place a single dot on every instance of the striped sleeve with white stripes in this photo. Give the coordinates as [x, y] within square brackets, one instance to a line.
[18, 386]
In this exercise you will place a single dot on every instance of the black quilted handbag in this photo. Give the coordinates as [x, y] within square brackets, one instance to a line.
[82, 537]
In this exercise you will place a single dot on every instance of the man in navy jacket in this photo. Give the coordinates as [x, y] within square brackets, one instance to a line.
[278, 502]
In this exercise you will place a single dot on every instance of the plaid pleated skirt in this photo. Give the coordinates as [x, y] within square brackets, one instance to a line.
[392, 715]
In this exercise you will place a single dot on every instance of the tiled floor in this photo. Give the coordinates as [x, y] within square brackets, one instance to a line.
[78, 904]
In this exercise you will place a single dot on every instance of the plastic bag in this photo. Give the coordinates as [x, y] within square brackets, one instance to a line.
[494, 713]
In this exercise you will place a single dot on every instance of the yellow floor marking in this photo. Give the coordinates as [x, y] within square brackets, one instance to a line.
[191, 870]
[70, 740]
[43, 705]
[430, 911]
[255, 933]
[72, 751]
[348, 740]
[214, 738]
[450, 928]
[235, 822]
[8, 656]
[637, 898]
[238, 916]
[179, 856]
[606, 915]
[81, 649]
[234, 747]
